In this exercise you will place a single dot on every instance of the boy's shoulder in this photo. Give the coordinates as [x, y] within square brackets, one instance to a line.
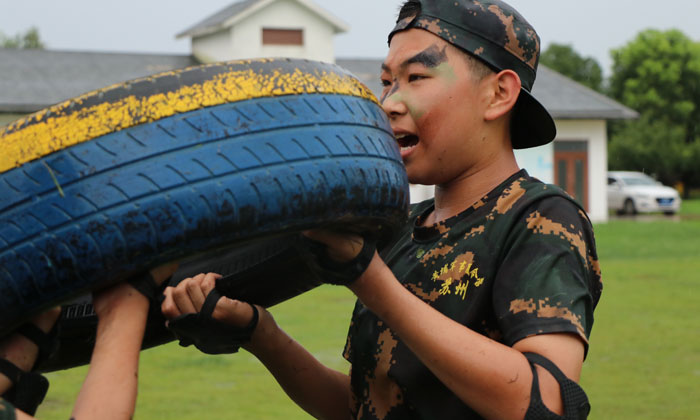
[530, 205]
[522, 192]
[519, 198]
[536, 189]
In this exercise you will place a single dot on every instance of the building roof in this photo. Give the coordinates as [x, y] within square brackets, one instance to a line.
[217, 20]
[238, 11]
[566, 99]
[34, 79]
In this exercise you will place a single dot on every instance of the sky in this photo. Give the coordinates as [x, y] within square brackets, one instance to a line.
[592, 27]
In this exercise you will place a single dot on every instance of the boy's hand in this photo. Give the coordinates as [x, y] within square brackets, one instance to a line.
[340, 247]
[189, 295]
[197, 314]
[163, 272]
[46, 320]
[336, 258]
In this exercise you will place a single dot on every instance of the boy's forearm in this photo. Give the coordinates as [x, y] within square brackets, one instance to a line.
[492, 378]
[109, 390]
[21, 351]
[322, 392]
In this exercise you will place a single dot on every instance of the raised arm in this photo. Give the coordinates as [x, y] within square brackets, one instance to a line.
[492, 378]
[110, 388]
[322, 392]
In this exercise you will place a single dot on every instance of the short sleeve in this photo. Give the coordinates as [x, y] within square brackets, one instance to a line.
[7, 410]
[549, 279]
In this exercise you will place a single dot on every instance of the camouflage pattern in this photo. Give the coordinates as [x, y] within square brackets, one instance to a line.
[7, 410]
[498, 35]
[488, 29]
[520, 262]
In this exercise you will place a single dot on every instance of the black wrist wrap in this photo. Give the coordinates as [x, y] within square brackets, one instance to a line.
[329, 271]
[146, 285]
[28, 388]
[209, 335]
[576, 406]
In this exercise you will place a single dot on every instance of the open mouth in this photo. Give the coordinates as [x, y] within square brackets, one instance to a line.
[407, 141]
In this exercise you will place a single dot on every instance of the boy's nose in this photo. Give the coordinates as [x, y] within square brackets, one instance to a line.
[394, 106]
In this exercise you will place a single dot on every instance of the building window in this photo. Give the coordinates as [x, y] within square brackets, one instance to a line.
[282, 36]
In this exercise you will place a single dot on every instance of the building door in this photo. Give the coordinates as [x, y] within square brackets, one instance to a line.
[571, 169]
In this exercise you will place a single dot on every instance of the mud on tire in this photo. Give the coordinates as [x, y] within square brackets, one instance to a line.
[184, 163]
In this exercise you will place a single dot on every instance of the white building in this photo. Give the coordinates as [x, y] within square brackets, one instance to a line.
[266, 28]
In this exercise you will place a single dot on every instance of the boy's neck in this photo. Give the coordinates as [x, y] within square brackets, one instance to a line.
[464, 191]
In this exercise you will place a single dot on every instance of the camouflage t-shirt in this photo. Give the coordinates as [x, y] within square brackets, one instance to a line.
[7, 410]
[520, 262]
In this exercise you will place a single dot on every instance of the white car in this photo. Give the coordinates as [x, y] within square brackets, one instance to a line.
[635, 192]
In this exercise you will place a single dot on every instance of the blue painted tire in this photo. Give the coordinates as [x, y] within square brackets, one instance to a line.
[93, 213]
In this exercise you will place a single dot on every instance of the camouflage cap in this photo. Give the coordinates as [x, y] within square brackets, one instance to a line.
[498, 35]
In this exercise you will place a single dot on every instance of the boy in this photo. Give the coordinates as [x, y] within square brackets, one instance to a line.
[491, 283]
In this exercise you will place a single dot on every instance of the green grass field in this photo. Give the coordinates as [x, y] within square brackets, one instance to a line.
[181, 383]
[644, 361]
[691, 207]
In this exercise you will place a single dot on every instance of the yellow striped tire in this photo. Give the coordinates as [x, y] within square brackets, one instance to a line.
[121, 179]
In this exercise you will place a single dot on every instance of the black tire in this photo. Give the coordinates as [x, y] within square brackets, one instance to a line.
[164, 184]
[628, 207]
[274, 259]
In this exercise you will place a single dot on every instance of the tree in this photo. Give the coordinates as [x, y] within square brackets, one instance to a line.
[565, 60]
[28, 40]
[658, 74]
[656, 147]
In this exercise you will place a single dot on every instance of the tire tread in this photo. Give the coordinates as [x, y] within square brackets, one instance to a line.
[182, 182]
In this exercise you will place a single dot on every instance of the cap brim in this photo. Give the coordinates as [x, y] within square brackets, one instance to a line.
[532, 125]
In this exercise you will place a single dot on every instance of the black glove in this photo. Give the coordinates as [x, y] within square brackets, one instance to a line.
[209, 335]
[315, 255]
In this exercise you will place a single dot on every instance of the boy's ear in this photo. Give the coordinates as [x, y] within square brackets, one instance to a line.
[505, 89]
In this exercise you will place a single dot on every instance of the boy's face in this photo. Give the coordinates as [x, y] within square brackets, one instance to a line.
[435, 106]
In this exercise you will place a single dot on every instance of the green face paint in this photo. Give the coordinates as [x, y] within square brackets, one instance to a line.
[436, 62]
[443, 72]
[446, 72]
[390, 94]
[415, 111]
[393, 95]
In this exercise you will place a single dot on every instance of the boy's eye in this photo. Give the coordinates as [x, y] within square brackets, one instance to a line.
[385, 82]
[415, 77]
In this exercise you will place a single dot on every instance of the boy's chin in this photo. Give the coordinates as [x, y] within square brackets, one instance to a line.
[417, 178]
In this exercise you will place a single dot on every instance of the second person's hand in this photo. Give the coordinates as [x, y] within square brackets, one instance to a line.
[197, 314]
[189, 295]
